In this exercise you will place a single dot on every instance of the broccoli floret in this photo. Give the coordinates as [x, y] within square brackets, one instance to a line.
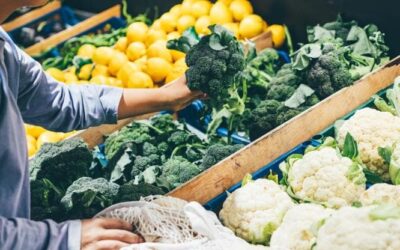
[45, 199]
[217, 152]
[179, 137]
[149, 149]
[61, 163]
[177, 171]
[287, 76]
[327, 75]
[280, 92]
[286, 114]
[163, 147]
[87, 196]
[165, 123]
[263, 118]
[141, 163]
[132, 192]
[266, 61]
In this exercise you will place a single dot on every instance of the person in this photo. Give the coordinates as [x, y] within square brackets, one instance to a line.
[28, 95]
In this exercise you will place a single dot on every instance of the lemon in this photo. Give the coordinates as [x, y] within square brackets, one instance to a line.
[201, 8]
[137, 32]
[86, 72]
[135, 50]
[176, 10]
[278, 34]
[70, 77]
[48, 137]
[158, 68]
[240, 9]
[155, 35]
[168, 22]
[180, 63]
[176, 55]
[141, 63]
[126, 70]
[201, 25]
[156, 25]
[226, 2]
[233, 27]
[186, 7]
[30, 139]
[86, 50]
[114, 82]
[100, 70]
[116, 63]
[71, 69]
[56, 74]
[173, 35]
[32, 149]
[251, 26]
[121, 44]
[159, 49]
[103, 55]
[68, 134]
[139, 80]
[220, 13]
[99, 80]
[34, 131]
[185, 22]
[176, 72]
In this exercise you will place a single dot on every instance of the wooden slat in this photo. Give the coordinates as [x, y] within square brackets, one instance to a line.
[263, 41]
[31, 15]
[74, 31]
[222, 176]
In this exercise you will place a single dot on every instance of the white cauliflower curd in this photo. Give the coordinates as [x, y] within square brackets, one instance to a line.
[381, 193]
[255, 210]
[372, 129]
[366, 228]
[295, 232]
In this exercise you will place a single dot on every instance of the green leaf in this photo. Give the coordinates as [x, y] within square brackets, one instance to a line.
[385, 212]
[305, 54]
[385, 153]
[383, 106]
[188, 39]
[356, 174]
[371, 177]
[394, 166]
[360, 43]
[350, 148]
[394, 95]
[299, 96]
[215, 42]
[320, 34]
[246, 179]
[273, 177]
[217, 120]
[121, 166]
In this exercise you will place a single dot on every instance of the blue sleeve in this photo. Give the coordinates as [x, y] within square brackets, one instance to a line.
[22, 234]
[59, 107]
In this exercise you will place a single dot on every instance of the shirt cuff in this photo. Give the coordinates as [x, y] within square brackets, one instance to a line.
[110, 98]
[74, 235]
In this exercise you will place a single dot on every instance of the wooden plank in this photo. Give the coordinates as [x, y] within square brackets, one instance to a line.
[74, 31]
[263, 41]
[228, 172]
[31, 15]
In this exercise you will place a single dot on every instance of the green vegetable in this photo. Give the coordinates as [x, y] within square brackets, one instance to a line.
[217, 152]
[45, 197]
[132, 192]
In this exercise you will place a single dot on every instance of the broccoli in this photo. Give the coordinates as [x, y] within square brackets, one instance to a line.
[286, 114]
[165, 123]
[87, 196]
[177, 171]
[179, 137]
[163, 147]
[132, 192]
[149, 149]
[263, 118]
[61, 163]
[287, 76]
[327, 75]
[218, 152]
[280, 92]
[141, 163]
[45, 199]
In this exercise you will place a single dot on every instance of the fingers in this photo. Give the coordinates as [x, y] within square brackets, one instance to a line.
[106, 245]
[114, 224]
[120, 235]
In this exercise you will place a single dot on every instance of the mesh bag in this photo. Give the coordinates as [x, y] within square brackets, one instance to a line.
[168, 223]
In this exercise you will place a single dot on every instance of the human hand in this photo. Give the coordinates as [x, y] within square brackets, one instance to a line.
[179, 95]
[107, 234]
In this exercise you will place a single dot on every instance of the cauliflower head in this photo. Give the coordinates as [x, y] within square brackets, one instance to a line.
[324, 176]
[295, 232]
[372, 129]
[365, 228]
[255, 210]
[381, 193]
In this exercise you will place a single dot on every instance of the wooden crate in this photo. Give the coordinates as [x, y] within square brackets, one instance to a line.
[230, 171]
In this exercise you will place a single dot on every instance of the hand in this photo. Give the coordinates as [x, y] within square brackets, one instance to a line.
[179, 95]
[99, 234]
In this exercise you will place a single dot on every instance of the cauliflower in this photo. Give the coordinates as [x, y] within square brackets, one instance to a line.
[324, 176]
[372, 129]
[366, 228]
[255, 210]
[295, 232]
[380, 194]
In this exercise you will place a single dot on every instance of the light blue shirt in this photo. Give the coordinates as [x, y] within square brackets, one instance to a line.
[29, 95]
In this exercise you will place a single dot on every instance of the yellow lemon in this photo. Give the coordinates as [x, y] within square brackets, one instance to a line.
[121, 44]
[135, 50]
[173, 35]
[71, 69]
[175, 73]
[176, 55]
[139, 80]
[226, 2]
[251, 26]
[48, 137]
[180, 63]
[126, 70]
[31, 140]
[85, 72]
[176, 10]
[99, 80]
[116, 63]
[220, 14]
[201, 8]
[103, 55]
[233, 27]
[141, 63]
[56, 74]
[186, 7]
[168, 22]
[100, 70]
[70, 77]
[68, 134]
[185, 22]
[278, 34]
[158, 68]
[137, 32]
[32, 149]
[34, 131]
[159, 49]
[155, 35]
[86, 50]
[114, 82]
[202, 24]
[240, 9]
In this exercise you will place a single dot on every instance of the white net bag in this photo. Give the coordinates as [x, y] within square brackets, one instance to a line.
[168, 223]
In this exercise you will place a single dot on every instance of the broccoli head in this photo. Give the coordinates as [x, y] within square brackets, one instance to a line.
[217, 152]
[149, 149]
[87, 196]
[280, 92]
[179, 137]
[285, 114]
[61, 163]
[131, 192]
[177, 171]
[45, 199]
[141, 163]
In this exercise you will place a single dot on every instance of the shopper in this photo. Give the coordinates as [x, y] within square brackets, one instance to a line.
[27, 94]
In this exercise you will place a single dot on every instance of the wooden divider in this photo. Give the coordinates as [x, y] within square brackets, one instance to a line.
[228, 172]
